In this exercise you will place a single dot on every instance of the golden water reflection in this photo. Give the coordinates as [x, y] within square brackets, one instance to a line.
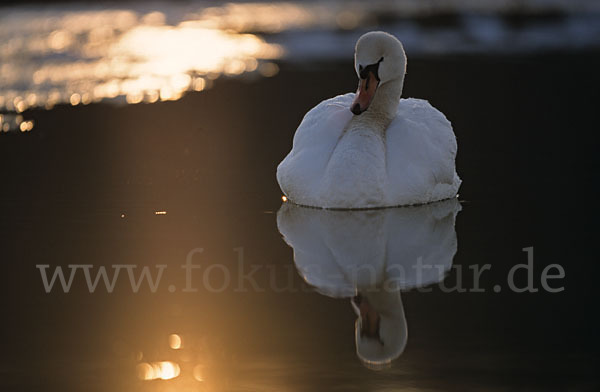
[164, 370]
[83, 56]
[11, 122]
[180, 366]
[175, 341]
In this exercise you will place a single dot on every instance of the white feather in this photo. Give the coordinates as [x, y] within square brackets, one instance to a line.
[333, 166]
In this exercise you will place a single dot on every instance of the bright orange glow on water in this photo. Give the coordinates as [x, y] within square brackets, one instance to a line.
[165, 370]
[81, 57]
[199, 373]
[175, 341]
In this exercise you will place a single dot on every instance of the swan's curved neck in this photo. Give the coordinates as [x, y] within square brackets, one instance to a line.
[382, 109]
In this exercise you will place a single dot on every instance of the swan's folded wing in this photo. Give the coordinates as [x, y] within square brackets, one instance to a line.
[314, 142]
[421, 148]
[323, 123]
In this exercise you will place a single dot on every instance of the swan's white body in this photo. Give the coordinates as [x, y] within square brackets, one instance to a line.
[331, 166]
[399, 152]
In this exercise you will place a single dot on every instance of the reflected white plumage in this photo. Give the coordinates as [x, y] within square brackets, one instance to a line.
[372, 149]
[374, 254]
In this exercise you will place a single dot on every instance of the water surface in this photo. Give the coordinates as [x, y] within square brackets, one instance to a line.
[146, 184]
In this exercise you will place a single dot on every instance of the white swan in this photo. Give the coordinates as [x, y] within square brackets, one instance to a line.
[372, 149]
[370, 256]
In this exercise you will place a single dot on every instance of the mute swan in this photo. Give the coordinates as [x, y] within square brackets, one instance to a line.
[372, 149]
[370, 256]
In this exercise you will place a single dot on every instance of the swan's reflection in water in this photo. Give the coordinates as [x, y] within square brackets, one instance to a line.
[370, 256]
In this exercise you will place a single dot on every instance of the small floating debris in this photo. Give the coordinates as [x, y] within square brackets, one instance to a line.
[160, 212]
[284, 198]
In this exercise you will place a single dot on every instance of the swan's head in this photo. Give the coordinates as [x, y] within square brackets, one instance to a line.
[381, 332]
[378, 58]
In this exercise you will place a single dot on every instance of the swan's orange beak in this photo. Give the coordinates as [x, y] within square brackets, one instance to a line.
[369, 316]
[365, 93]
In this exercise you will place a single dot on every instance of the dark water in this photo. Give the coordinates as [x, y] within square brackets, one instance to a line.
[84, 188]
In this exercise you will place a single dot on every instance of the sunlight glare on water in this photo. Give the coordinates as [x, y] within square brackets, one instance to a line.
[175, 341]
[165, 370]
[80, 54]
[83, 56]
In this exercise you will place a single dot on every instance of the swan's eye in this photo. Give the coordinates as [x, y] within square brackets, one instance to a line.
[360, 68]
[380, 60]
